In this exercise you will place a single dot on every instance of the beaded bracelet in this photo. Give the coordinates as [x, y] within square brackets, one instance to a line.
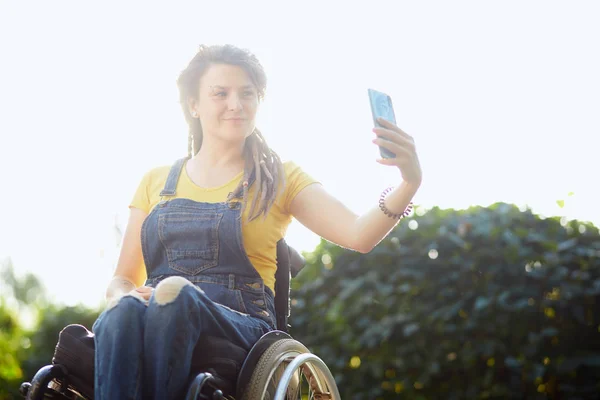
[388, 212]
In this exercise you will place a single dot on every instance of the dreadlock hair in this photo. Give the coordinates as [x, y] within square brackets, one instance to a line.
[261, 162]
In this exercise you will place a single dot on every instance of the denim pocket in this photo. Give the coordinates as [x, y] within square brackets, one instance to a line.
[191, 239]
[230, 298]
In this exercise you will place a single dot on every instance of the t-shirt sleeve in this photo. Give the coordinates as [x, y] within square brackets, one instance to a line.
[296, 180]
[141, 197]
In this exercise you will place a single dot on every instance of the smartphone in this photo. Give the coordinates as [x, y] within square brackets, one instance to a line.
[381, 106]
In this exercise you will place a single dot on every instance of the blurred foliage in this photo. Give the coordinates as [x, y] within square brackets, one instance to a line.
[29, 327]
[484, 303]
[10, 369]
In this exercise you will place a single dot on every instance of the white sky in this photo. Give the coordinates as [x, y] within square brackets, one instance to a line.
[501, 97]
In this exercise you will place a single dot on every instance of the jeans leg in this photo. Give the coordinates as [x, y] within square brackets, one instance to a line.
[178, 314]
[118, 336]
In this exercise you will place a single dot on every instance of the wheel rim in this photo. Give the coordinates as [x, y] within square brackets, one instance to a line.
[275, 375]
[300, 386]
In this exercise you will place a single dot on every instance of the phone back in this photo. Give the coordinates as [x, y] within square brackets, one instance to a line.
[381, 106]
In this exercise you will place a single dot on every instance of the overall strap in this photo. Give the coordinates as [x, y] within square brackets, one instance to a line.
[174, 173]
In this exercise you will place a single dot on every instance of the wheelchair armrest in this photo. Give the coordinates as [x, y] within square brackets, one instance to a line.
[297, 262]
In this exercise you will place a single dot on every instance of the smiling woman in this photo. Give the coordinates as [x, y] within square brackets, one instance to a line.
[221, 108]
[210, 222]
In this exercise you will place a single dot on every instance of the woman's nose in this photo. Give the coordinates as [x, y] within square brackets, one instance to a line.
[234, 103]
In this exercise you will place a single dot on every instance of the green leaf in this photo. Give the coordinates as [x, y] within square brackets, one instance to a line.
[512, 362]
[592, 361]
[571, 364]
[410, 329]
[567, 244]
[481, 303]
[549, 332]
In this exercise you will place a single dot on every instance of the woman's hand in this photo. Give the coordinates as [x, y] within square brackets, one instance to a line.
[144, 291]
[120, 287]
[403, 146]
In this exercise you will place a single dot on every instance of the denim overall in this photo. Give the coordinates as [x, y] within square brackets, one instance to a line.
[143, 350]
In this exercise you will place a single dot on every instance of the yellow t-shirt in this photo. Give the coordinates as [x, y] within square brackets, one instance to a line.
[260, 236]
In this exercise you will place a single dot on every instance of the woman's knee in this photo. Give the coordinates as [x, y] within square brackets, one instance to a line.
[128, 303]
[170, 289]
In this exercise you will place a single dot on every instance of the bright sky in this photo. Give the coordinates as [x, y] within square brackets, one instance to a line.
[502, 99]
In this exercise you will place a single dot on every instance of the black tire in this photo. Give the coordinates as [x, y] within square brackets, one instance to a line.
[271, 365]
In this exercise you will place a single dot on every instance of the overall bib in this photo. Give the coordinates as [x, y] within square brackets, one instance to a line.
[143, 350]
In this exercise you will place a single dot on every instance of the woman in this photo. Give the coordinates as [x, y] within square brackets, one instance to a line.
[198, 254]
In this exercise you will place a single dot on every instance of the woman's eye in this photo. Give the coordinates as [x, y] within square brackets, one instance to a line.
[248, 93]
[221, 94]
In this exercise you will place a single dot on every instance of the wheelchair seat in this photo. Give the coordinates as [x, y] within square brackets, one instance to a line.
[220, 369]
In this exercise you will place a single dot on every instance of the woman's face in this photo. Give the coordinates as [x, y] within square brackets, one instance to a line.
[227, 103]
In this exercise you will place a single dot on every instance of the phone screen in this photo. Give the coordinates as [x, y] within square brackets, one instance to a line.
[381, 106]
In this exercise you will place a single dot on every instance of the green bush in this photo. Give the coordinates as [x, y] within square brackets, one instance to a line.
[23, 351]
[484, 303]
[10, 370]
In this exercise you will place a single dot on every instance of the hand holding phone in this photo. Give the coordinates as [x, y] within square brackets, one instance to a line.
[381, 106]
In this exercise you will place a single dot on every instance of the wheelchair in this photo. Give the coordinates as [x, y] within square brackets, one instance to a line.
[277, 367]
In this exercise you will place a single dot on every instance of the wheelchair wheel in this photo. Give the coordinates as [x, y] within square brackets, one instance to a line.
[287, 370]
